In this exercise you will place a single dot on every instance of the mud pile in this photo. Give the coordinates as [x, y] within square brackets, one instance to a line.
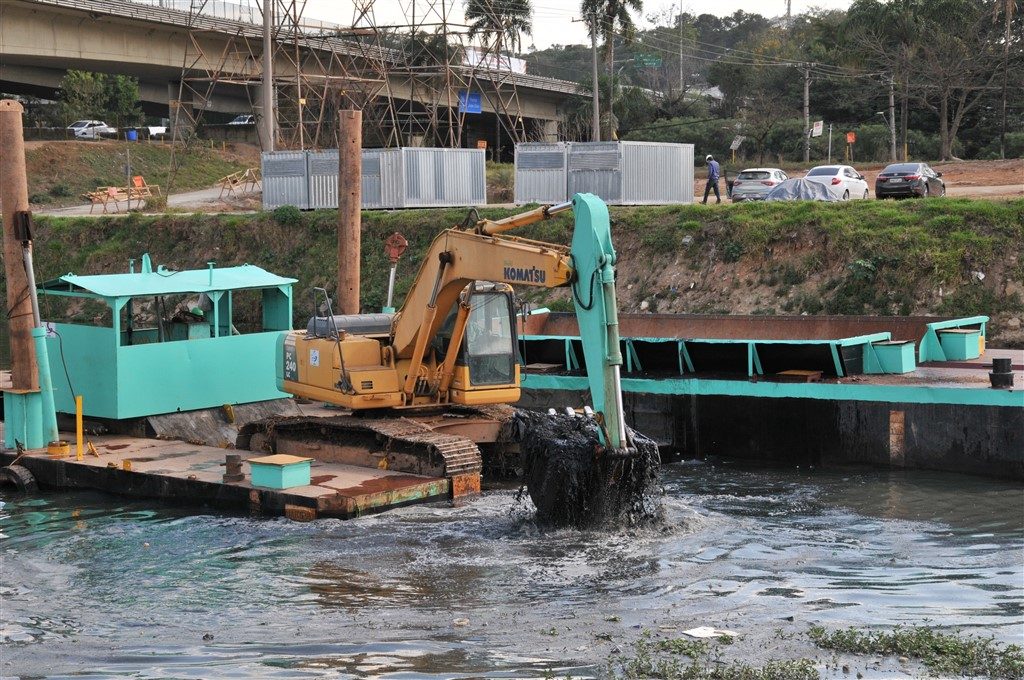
[574, 482]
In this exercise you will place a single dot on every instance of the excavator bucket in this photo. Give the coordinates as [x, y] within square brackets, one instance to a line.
[591, 471]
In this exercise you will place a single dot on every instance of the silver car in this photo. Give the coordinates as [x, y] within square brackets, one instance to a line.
[753, 183]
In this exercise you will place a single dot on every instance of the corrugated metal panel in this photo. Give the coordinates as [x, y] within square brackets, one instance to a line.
[595, 168]
[444, 177]
[322, 170]
[540, 174]
[687, 173]
[371, 186]
[656, 173]
[392, 178]
[284, 179]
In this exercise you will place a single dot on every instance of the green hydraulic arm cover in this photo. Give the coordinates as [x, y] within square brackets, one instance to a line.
[597, 312]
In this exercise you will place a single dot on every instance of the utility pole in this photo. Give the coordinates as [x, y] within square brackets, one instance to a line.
[14, 198]
[611, 86]
[892, 119]
[32, 419]
[595, 134]
[350, 178]
[267, 85]
[682, 91]
[807, 113]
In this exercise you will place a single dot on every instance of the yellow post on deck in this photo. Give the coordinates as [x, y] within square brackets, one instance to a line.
[78, 428]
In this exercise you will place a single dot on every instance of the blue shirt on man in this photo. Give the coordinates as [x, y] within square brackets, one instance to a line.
[713, 170]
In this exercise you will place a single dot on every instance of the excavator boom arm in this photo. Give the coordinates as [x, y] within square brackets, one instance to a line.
[456, 258]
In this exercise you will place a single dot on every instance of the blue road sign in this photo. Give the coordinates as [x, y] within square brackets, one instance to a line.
[470, 102]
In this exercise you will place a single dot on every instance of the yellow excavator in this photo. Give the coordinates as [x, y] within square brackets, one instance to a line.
[427, 387]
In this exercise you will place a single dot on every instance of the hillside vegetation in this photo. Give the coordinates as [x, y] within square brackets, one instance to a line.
[938, 256]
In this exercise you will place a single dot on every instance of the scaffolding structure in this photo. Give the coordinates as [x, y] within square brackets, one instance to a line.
[415, 77]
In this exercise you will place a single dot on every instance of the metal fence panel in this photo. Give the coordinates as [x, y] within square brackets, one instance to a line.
[595, 168]
[322, 170]
[392, 178]
[371, 185]
[284, 179]
[540, 173]
[444, 177]
[656, 174]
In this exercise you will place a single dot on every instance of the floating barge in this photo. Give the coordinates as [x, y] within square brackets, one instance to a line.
[901, 392]
[168, 380]
[181, 472]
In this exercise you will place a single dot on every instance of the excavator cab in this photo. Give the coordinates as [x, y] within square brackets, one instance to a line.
[486, 369]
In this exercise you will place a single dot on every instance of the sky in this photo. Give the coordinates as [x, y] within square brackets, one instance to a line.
[552, 21]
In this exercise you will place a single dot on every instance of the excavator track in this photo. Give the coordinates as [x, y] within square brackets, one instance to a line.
[417, 444]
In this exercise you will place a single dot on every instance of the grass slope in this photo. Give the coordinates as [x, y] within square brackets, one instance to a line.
[856, 258]
[59, 172]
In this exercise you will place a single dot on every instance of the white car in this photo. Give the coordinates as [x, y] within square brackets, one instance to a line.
[243, 120]
[754, 183]
[843, 180]
[91, 129]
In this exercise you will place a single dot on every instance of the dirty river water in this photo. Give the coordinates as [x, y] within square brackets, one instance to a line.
[99, 586]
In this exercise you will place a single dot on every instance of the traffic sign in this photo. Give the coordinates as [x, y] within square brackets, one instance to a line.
[737, 140]
[819, 127]
[851, 137]
[470, 102]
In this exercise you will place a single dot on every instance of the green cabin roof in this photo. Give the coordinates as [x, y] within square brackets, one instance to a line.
[166, 282]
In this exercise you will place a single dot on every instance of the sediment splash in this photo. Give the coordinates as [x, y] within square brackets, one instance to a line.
[574, 482]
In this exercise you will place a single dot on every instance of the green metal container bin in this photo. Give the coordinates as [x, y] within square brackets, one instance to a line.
[960, 344]
[895, 356]
[280, 471]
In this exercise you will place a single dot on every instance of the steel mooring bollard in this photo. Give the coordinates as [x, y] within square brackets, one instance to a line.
[233, 468]
[1001, 376]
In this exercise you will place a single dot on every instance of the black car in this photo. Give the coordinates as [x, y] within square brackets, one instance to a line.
[909, 179]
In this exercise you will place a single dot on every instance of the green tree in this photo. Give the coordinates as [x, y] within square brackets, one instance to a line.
[888, 36]
[609, 18]
[81, 95]
[114, 99]
[501, 21]
[958, 48]
[121, 101]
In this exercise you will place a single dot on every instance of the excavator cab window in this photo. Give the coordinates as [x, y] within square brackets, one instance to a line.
[490, 345]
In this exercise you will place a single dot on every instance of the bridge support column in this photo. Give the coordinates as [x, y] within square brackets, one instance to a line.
[551, 131]
[266, 116]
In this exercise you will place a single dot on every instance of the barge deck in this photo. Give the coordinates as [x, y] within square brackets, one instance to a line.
[183, 472]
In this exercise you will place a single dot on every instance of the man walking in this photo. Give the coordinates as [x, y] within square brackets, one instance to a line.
[714, 170]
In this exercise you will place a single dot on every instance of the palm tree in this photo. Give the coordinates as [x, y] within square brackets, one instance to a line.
[609, 18]
[504, 21]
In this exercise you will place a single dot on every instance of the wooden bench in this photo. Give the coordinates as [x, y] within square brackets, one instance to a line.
[105, 196]
[137, 191]
[243, 181]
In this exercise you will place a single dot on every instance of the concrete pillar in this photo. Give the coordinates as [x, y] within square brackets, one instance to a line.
[350, 177]
[14, 198]
[551, 131]
[268, 110]
[266, 116]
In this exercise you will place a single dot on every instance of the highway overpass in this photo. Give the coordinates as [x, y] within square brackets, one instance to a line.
[41, 39]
